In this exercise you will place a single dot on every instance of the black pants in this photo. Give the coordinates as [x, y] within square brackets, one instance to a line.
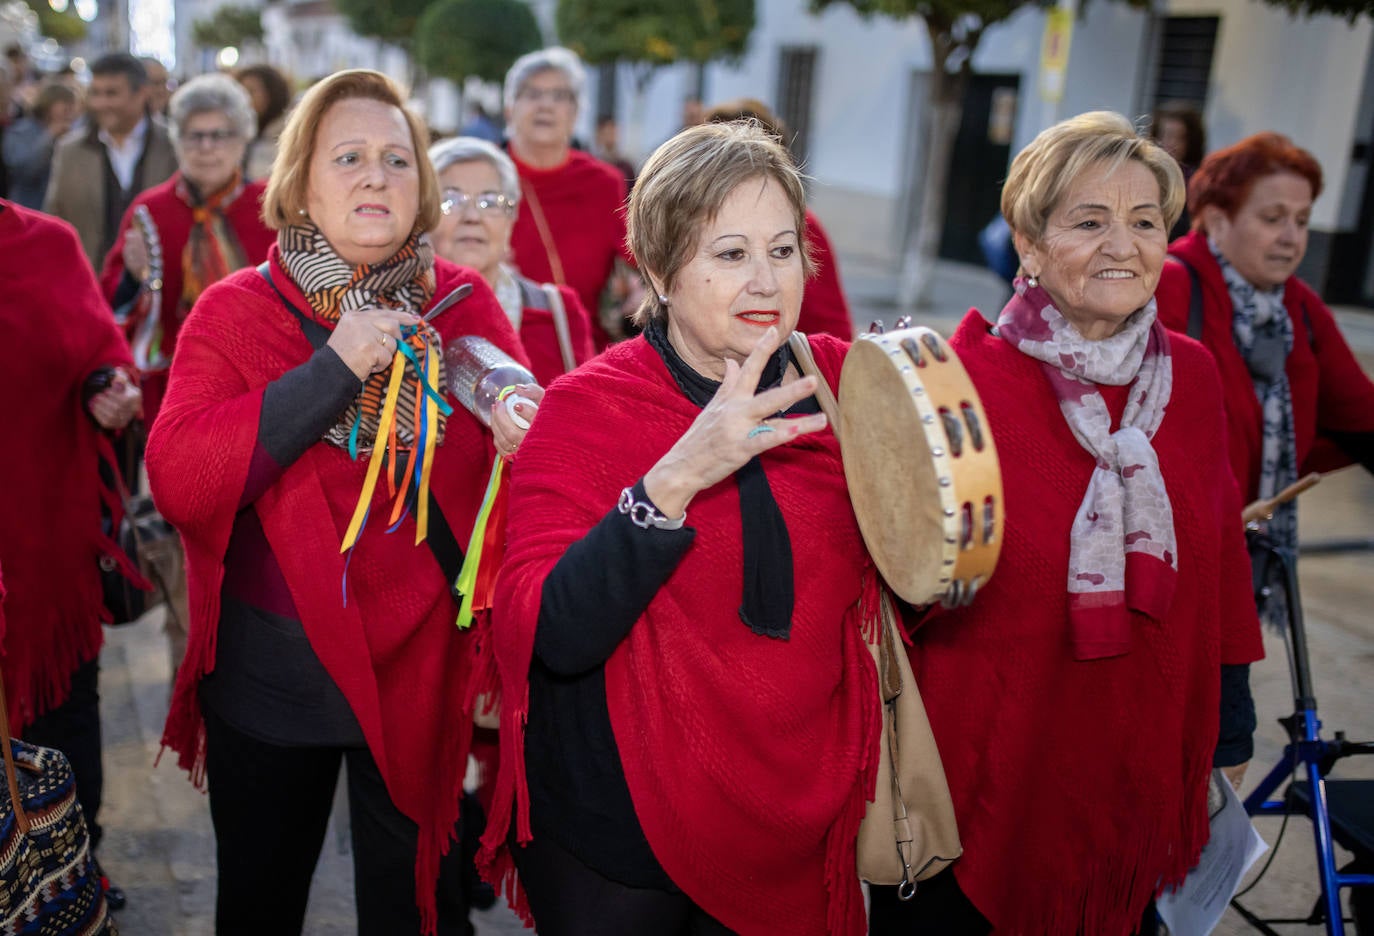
[570, 899]
[74, 729]
[941, 908]
[270, 806]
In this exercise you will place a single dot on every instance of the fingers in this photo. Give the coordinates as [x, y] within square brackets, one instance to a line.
[782, 398]
[758, 357]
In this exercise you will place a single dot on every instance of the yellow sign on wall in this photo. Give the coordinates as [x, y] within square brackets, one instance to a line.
[1054, 52]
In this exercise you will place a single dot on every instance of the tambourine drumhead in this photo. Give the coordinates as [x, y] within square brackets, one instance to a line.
[921, 465]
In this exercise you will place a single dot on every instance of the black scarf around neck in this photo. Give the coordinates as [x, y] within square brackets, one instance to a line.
[766, 606]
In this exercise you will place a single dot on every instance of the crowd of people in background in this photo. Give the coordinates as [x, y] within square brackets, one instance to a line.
[259, 284]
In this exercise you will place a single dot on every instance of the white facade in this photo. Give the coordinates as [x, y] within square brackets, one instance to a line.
[1302, 77]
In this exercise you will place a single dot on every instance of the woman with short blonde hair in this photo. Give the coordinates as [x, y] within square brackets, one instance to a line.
[688, 729]
[1114, 641]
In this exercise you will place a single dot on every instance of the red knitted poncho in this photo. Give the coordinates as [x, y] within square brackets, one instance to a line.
[392, 648]
[1080, 787]
[748, 759]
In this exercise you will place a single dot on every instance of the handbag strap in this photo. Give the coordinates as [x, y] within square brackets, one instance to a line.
[560, 325]
[545, 233]
[801, 350]
[21, 818]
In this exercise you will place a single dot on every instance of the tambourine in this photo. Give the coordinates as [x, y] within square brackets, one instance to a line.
[143, 320]
[921, 466]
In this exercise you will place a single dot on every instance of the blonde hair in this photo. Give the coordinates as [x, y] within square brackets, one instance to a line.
[683, 186]
[289, 183]
[1043, 171]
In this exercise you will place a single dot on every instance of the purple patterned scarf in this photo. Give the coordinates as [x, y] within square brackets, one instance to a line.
[1122, 552]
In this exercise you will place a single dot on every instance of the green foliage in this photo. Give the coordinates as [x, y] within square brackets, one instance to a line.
[960, 22]
[66, 27]
[229, 26]
[655, 32]
[481, 38]
[389, 20]
[1351, 11]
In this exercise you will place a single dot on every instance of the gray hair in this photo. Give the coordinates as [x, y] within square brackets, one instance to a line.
[472, 149]
[554, 58]
[213, 94]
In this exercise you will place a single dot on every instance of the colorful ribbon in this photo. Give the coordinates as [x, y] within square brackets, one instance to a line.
[477, 578]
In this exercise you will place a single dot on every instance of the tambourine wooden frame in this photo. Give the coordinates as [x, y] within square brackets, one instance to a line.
[921, 466]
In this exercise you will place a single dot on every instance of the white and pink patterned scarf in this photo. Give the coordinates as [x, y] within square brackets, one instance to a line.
[1122, 554]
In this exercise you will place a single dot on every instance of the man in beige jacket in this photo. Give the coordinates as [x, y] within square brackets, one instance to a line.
[97, 170]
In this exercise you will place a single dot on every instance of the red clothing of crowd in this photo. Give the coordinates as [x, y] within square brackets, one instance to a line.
[172, 217]
[748, 759]
[1330, 391]
[540, 337]
[583, 202]
[824, 308]
[390, 644]
[58, 331]
[1080, 787]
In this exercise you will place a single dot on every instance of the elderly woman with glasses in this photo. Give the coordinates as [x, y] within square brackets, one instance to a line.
[480, 194]
[570, 228]
[206, 222]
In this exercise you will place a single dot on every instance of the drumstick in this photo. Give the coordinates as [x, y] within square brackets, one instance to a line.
[1263, 509]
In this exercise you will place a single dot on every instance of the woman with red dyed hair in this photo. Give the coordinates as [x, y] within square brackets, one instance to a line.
[1296, 399]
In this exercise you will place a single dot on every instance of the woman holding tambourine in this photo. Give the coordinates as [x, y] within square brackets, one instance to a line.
[1077, 701]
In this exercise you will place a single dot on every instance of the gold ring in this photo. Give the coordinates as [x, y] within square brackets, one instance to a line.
[382, 338]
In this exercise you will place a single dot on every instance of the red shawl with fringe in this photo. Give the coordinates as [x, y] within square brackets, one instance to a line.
[392, 648]
[748, 759]
[58, 330]
[1080, 786]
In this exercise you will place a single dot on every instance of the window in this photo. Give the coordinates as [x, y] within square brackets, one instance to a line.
[1184, 60]
[796, 77]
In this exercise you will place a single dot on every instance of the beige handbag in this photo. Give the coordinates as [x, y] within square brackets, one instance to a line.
[908, 833]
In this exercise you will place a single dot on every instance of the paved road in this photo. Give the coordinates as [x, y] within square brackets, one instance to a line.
[160, 848]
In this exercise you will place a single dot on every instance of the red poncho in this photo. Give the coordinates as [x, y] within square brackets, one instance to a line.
[172, 217]
[392, 648]
[748, 759]
[1330, 390]
[583, 201]
[824, 308]
[1080, 787]
[58, 330]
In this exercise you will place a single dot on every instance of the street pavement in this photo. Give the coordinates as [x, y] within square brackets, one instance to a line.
[159, 845]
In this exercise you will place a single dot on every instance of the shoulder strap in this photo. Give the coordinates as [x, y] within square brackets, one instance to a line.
[1194, 299]
[531, 295]
[560, 325]
[801, 350]
[441, 541]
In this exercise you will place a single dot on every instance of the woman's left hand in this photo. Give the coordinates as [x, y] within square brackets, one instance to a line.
[118, 403]
[507, 432]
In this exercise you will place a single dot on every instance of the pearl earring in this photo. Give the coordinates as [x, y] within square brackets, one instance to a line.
[662, 299]
[1032, 282]
[301, 212]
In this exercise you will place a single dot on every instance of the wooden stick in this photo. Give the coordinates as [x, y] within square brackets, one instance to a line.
[1263, 509]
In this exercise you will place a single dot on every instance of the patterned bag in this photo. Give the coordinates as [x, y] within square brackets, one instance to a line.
[48, 882]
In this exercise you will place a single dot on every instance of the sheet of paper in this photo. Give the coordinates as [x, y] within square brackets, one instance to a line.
[1195, 908]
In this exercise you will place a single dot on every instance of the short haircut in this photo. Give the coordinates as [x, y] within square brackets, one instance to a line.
[472, 149]
[213, 93]
[554, 58]
[289, 183]
[1043, 171]
[148, 60]
[1226, 177]
[121, 63]
[277, 88]
[52, 92]
[683, 186]
[1191, 120]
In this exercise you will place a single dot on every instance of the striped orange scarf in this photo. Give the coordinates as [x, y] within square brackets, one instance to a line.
[212, 250]
[333, 286]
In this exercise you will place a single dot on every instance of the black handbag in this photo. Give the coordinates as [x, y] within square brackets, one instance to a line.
[138, 550]
[49, 885]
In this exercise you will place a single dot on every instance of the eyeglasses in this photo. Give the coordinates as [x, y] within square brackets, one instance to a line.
[213, 138]
[557, 95]
[490, 203]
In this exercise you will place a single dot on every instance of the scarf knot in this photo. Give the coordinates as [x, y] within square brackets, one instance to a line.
[212, 249]
[1123, 556]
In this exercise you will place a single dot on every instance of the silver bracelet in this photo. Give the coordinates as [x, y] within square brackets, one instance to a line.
[645, 515]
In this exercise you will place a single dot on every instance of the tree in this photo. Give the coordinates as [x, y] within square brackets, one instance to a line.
[456, 39]
[234, 26]
[66, 27]
[391, 21]
[955, 28]
[652, 33]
